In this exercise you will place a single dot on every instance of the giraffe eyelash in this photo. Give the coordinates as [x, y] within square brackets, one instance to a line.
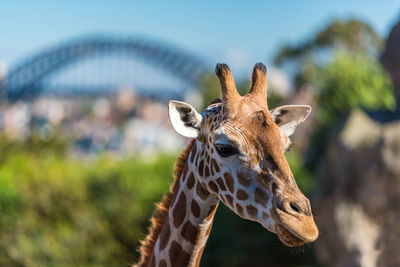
[226, 150]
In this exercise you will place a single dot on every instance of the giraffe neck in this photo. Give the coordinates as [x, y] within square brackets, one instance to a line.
[188, 224]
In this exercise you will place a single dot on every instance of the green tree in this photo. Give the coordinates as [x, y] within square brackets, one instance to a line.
[351, 80]
[353, 36]
[57, 211]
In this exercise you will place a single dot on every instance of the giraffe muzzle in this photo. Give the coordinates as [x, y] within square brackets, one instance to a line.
[294, 223]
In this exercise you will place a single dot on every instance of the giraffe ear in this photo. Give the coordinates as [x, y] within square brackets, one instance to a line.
[288, 117]
[184, 118]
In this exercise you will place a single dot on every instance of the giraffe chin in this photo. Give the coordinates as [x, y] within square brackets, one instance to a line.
[287, 238]
[294, 231]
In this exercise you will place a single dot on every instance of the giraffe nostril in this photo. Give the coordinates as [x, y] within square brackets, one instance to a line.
[294, 207]
[290, 207]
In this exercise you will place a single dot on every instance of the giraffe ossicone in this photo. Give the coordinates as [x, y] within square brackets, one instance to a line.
[236, 156]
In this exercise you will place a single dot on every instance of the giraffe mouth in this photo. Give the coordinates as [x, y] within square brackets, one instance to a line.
[294, 231]
[287, 237]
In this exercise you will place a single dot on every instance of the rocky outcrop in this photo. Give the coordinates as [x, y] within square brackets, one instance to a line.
[357, 206]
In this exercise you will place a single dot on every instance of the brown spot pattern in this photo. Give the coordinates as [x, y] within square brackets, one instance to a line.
[213, 186]
[194, 150]
[214, 165]
[201, 192]
[242, 195]
[178, 255]
[243, 180]
[239, 209]
[251, 210]
[190, 181]
[165, 235]
[265, 179]
[195, 208]
[261, 197]
[179, 212]
[221, 184]
[184, 173]
[163, 208]
[207, 173]
[229, 181]
[201, 168]
[212, 172]
[212, 128]
[229, 199]
[274, 188]
[189, 232]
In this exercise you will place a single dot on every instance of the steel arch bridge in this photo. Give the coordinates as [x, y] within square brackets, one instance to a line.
[24, 80]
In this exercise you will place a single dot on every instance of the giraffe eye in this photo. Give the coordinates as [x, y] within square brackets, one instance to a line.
[226, 150]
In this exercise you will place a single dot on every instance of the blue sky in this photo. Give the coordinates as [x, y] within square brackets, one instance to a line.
[237, 32]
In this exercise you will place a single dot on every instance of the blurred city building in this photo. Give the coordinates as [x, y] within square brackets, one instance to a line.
[122, 122]
[103, 93]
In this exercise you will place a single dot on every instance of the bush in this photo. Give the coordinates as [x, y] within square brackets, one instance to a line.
[63, 212]
[349, 81]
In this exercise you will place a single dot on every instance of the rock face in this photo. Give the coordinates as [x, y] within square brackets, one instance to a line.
[357, 206]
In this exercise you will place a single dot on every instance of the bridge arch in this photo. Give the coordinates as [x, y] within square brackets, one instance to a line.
[24, 79]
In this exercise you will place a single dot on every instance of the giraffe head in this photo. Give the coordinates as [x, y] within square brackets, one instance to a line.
[239, 157]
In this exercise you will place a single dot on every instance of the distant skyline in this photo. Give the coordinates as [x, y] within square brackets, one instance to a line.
[239, 33]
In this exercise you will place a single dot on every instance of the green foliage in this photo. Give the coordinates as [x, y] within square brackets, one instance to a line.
[62, 212]
[352, 36]
[32, 146]
[349, 81]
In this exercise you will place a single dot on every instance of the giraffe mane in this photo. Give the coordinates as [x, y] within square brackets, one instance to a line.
[161, 213]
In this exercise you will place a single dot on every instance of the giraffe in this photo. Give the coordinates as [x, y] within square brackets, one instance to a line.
[235, 156]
